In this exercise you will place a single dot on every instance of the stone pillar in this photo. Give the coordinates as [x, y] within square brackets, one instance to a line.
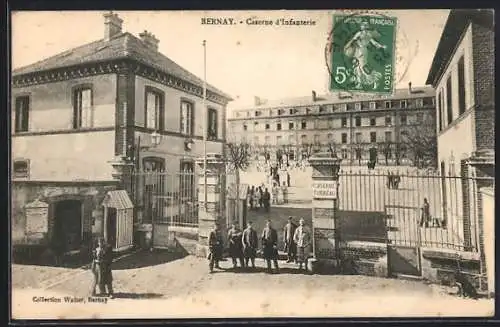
[325, 169]
[210, 213]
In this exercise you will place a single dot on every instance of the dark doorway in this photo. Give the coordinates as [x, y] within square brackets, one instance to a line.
[67, 233]
[111, 227]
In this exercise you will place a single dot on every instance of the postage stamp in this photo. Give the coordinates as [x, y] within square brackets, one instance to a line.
[362, 53]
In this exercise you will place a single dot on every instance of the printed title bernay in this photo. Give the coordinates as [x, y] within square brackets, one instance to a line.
[256, 21]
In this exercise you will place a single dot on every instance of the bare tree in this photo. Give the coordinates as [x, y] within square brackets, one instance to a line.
[238, 158]
[421, 141]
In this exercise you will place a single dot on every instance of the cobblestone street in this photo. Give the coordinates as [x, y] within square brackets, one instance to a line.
[161, 285]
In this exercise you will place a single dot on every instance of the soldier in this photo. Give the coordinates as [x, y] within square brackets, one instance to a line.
[250, 243]
[269, 240]
[302, 238]
[290, 246]
[234, 236]
[101, 268]
[215, 245]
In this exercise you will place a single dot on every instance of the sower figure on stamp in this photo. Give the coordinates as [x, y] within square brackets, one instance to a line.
[302, 238]
[290, 245]
[234, 236]
[250, 243]
[270, 246]
[215, 246]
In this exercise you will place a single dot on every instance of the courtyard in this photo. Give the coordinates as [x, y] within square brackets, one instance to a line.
[163, 285]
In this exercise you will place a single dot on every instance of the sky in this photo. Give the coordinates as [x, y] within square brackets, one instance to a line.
[272, 62]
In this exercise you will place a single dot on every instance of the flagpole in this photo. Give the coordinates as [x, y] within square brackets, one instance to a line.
[205, 121]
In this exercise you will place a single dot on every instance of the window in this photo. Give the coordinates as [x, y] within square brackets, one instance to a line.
[388, 136]
[344, 122]
[303, 125]
[258, 113]
[278, 139]
[358, 121]
[373, 105]
[291, 139]
[308, 111]
[330, 137]
[278, 126]
[280, 112]
[344, 138]
[267, 139]
[344, 153]
[373, 136]
[357, 106]
[419, 102]
[154, 109]
[428, 102]
[331, 123]
[316, 139]
[461, 86]
[403, 104]
[245, 127]
[359, 137]
[213, 128]
[388, 105]
[290, 125]
[22, 114]
[404, 119]
[420, 117]
[187, 181]
[340, 107]
[303, 139]
[440, 111]
[373, 121]
[292, 111]
[20, 167]
[237, 114]
[322, 109]
[449, 109]
[268, 126]
[82, 107]
[153, 164]
[350, 106]
[187, 119]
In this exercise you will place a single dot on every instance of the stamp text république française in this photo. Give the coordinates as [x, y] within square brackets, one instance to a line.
[255, 21]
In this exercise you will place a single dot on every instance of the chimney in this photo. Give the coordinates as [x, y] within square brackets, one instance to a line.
[149, 40]
[112, 25]
[314, 96]
[409, 88]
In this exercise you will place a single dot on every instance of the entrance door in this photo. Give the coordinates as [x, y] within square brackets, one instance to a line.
[111, 227]
[68, 225]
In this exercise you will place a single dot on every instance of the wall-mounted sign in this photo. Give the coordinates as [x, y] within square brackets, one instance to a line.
[324, 190]
[37, 217]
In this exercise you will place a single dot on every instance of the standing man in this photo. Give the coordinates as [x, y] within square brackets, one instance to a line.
[234, 235]
[250, 243]
[290, 245]
[269, 240]
[106, 261]
[266, 200]
[215, 245]
[302, 238]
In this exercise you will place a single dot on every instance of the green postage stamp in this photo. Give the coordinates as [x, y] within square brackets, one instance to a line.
[362, 53]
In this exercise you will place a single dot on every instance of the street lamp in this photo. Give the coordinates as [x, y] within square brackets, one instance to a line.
[155, 139]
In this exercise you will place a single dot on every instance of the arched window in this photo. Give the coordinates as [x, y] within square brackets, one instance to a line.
[151, 164]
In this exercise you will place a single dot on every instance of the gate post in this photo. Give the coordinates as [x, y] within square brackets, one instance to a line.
[211, 213]
[325, 183]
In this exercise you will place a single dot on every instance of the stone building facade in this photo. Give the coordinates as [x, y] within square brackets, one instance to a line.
[357, 126]
[74, 112]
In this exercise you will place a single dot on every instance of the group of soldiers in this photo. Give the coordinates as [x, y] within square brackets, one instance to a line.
[244, 245]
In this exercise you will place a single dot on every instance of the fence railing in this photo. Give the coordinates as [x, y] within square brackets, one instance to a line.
[166, 198]
[422, 208]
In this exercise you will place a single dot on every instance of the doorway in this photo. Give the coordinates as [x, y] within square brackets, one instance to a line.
[111, 227]
[67, 233]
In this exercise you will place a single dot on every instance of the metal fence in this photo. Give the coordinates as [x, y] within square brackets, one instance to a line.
[166, 198]
[421, 208]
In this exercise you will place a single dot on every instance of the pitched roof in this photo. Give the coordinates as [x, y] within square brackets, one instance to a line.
[424, 91]
[458, 20]
[124, 45]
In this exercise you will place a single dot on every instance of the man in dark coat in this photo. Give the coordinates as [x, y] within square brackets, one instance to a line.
[266, 200]
[269, 240]
[215, 245]
[101, 268]
[290, 246]
[250, 243]
[234, 235]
